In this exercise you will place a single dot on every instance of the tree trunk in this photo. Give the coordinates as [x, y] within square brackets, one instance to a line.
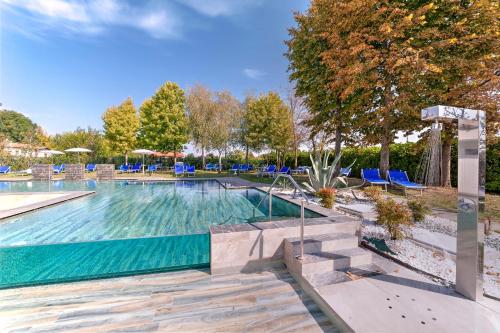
[220, 161]
[246, 154]
[446, 164]
[338, 146]
[126, 158]
[203, 158]
[384, 156]
[296, 158]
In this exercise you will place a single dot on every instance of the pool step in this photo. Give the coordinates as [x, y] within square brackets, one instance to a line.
[322, 243]
[325, 253]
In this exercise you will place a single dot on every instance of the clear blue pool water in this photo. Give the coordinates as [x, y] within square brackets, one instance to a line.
[124, 228]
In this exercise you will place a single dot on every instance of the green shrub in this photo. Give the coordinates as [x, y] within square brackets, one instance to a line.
[418, 209]
[327, 196]
[392, 215]
[373, 192]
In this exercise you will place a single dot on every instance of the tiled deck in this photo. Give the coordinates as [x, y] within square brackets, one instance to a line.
[23, 202]
[187, 301]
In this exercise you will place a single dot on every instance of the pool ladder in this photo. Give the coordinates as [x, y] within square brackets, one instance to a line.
[304, 198]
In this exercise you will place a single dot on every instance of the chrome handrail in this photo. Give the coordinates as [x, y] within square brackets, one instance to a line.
[294, 183]
[296, 187]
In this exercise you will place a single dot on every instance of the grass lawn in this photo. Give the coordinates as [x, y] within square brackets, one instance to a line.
[268, 180]
[446, 198]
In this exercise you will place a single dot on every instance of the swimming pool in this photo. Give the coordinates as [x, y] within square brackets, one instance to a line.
[124, 228]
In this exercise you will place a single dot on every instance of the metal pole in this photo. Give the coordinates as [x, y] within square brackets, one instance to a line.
[471, 186]
[301, 229]
[270, 206]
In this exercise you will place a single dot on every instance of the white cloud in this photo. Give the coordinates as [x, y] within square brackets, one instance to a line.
[254, 74]
[215, 8]
[92, 16]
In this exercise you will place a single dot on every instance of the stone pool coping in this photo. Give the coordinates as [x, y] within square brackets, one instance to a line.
[66, 196]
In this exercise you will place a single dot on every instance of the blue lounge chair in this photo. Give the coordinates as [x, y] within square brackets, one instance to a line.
[209, 167]
[123, 168]
[217, 167]
[284, 170]
[345, 172]
[235, 168]
[152, 168]
[250, 167]
[300, 170]
[372, 176]
[136, 168]
[243, 168]
[179, 169]
[400, 178]
[4, 169]
[269, 171]
[57, 169]
[190, 171]
[90, 167]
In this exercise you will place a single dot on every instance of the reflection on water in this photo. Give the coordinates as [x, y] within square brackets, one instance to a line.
[121, 210]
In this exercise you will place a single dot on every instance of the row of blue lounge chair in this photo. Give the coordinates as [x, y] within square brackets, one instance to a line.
[212, 167]
[397, 178]
[57, 169]
[4, 169]
[241, 168]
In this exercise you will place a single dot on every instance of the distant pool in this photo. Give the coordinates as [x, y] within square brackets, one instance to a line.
[124, 228]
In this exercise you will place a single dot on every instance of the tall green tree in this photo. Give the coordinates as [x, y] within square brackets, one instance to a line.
[121, 124]
[321, 87]
[268, 124]
[16, 127]
[163, 120]
[225, 120]
[200, 111]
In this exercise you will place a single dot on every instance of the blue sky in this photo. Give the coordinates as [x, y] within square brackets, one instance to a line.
[63, 62]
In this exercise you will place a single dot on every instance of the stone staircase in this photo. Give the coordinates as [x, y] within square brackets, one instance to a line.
[325, 255]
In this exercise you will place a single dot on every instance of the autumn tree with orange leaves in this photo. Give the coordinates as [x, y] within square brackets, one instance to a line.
[377, 63]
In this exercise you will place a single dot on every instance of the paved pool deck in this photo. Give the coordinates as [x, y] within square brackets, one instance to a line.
[15, 203]
[184, 301]
[386, 297]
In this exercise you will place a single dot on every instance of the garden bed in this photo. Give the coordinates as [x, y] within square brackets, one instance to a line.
[440, 263]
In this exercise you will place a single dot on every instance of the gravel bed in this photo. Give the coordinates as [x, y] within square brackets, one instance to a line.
[438, 263]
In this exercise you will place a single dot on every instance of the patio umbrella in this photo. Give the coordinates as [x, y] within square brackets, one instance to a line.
[175, 155]
[143, 152]
[78, 150]
[50, 153]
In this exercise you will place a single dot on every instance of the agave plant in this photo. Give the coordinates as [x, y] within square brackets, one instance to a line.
[321, 175]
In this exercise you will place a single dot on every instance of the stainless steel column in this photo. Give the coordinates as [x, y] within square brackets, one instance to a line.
[471, 188]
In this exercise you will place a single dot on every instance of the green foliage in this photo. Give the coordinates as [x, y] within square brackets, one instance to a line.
[163, 121]
[267, 123]
[405, 156]
[493, 166]
[200, 110]
[418, 209]
[392, 215]
[90, 138]
[120, 127]
[16, 127]
[321, 175]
